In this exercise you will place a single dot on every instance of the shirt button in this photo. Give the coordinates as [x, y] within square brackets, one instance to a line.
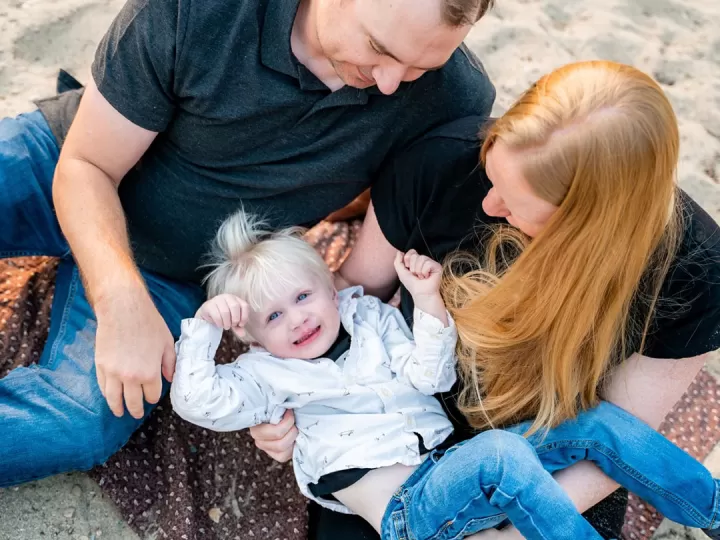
[385, 392]
[429, 373]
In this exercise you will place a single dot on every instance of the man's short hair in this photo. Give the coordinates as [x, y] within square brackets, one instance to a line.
[464, 12]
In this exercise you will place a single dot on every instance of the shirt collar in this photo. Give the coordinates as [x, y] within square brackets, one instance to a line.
[347, 305]
[275, 50]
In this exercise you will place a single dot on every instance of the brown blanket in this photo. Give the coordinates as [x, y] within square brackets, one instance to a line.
[186, 483]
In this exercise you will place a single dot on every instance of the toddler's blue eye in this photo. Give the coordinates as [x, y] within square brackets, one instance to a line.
[274, 315]
[302, 296]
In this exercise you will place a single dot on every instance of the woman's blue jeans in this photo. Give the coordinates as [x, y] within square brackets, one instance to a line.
[53, 418]
[481, 482]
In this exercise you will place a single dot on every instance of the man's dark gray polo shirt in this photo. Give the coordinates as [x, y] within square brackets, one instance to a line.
[240, 120]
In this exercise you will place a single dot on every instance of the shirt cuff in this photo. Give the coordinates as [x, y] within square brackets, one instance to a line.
[197, 335]
[432, 325]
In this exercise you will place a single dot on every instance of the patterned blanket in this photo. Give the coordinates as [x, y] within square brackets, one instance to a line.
[181, 482]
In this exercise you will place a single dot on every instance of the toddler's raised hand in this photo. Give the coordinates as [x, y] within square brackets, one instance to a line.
[420, 274]
[226, 311]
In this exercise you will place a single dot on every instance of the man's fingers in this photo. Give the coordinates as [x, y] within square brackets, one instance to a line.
[100, 374]
[114, 395]
[168, 363]
[280, 446]
[134, 400]
[282, 457]
[152, 391]
[274, 432]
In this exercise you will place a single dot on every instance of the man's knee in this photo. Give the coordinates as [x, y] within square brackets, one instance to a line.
[48, 432]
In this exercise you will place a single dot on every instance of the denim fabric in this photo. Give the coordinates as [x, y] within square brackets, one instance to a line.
[53, 418]
[496, 475]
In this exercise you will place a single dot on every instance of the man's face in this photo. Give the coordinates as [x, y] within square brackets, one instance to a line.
[383, 43]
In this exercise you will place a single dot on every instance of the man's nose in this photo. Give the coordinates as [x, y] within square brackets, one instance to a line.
[388, 77]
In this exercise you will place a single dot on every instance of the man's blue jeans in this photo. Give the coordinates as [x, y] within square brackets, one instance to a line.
[477, 484]
[53, 418]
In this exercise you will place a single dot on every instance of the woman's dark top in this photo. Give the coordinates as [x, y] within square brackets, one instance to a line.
[429, 199]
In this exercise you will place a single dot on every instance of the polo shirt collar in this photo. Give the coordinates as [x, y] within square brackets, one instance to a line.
[275, 50]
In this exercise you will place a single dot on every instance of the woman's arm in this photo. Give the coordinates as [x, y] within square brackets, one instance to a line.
[645, 387]
[371, 262]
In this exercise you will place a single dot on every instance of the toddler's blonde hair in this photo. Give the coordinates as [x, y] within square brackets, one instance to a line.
[257, 264]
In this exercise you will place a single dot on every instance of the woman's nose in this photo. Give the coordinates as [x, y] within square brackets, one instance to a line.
[494, 206]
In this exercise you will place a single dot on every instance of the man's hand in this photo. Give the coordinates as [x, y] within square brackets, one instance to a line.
[225, 311]
[133, 346]
[277, 441]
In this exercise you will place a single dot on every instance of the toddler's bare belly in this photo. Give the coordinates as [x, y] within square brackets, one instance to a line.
[369, 496]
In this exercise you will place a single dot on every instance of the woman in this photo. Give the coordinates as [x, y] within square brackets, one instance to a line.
[605, 285]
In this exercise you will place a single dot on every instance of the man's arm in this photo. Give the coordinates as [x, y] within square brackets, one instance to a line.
[132, 339]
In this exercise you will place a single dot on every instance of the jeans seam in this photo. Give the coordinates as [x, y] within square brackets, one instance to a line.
[440, 532]
[613, 456]
[716, 506]
[72, 291]
[528, 514]
[409, 534]
[401, 530]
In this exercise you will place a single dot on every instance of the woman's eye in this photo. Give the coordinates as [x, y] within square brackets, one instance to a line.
[302, 296]
[274, 315]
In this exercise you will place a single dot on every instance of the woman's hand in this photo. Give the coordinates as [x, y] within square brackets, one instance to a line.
[277, 440]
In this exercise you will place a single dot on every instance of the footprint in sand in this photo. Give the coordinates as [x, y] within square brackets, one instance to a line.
[68, 41]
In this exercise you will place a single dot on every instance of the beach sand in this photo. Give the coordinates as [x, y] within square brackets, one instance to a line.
[678, 42]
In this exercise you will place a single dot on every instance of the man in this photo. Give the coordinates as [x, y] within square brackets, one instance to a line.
[290, 106]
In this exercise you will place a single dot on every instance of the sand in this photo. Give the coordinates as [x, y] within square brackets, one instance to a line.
[678, 42]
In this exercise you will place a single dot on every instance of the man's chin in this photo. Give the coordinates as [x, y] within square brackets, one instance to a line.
[353, 80]
[357, 82]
